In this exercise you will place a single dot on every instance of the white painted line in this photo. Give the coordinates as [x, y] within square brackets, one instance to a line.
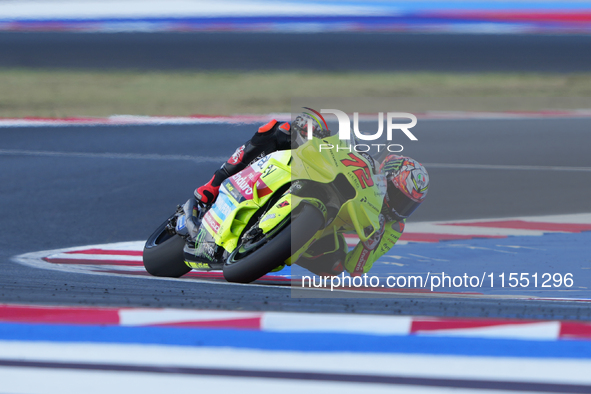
[123, 120]
[143, 317]
[83, 256]
[314, 322]
[131, 245]
[105, 267]
[543, 331]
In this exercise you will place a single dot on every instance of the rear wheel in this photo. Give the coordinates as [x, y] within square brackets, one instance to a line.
[261, 253]
[163, 254]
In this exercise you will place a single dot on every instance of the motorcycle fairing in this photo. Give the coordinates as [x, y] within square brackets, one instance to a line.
[242, 195]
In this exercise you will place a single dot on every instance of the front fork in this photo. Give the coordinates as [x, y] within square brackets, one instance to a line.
[176, 223]
[187, 219]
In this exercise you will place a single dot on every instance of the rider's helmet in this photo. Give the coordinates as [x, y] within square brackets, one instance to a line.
[300, 126]
[408, 182]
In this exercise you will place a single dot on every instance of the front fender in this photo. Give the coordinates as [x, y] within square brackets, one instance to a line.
[287, 204]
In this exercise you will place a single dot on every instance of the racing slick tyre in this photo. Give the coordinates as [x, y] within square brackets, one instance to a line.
[253, 259]
[163, 254]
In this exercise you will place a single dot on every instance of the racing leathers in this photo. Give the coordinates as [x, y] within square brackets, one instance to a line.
[329, 255]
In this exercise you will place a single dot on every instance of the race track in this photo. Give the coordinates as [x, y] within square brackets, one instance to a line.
[293, 51]
[74, 186]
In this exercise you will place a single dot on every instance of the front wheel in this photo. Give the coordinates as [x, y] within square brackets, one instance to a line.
[163, 254]
[251, 260]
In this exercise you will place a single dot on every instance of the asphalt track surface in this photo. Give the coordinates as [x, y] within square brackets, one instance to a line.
[113, 184]
[290, 51]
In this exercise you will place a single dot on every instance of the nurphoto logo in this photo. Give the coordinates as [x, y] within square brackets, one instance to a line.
[345, 129]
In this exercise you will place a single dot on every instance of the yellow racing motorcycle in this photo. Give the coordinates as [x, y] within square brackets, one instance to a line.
[270, 213]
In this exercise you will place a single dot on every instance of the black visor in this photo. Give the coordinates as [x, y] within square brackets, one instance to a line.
[400, 204]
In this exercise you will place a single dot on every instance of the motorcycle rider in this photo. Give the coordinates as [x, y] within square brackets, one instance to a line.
[407, 182]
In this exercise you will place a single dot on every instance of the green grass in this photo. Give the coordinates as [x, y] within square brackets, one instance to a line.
[61, 93]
